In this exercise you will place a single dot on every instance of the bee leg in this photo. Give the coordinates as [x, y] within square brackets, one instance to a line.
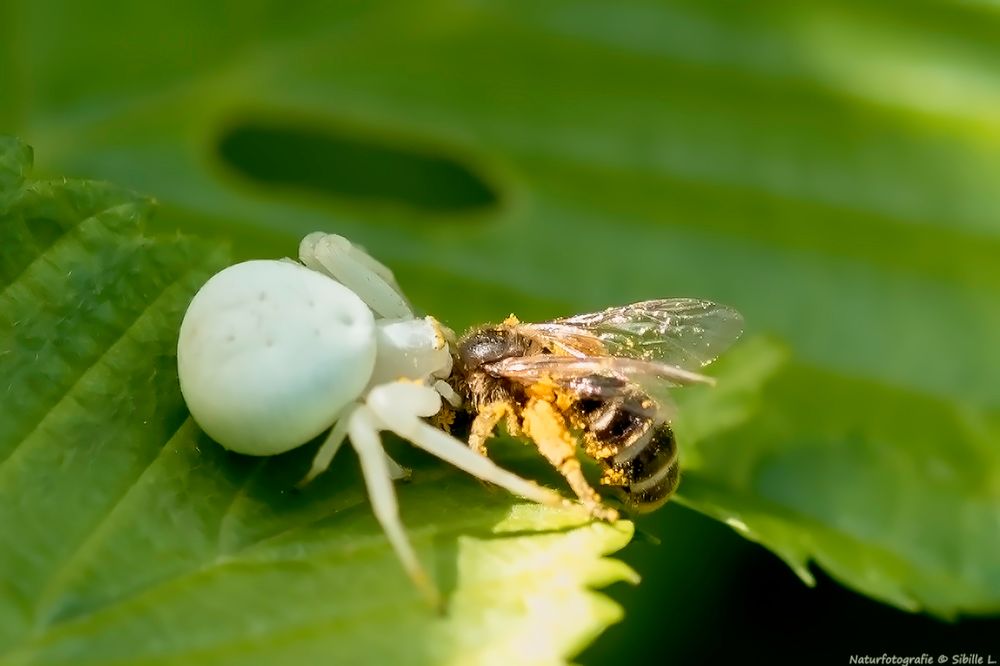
[513, 425]
[543, 424]
[444, 419]
[484, 423]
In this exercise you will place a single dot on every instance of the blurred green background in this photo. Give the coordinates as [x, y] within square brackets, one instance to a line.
[830, 169]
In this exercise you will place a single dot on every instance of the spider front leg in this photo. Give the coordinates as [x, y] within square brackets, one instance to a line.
[331, 445]
[445, 390]
[401, 406]
[363, 428]
[372, 281]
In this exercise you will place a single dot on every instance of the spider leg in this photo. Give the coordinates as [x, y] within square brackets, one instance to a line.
[396, 471]
[335, 256]
[448, 393]
[331, 445]
[308, 244]
[328, 449]
[400, 406]
[363, 428]
[543, 424]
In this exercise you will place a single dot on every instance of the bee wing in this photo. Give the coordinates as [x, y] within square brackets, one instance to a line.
[683, 333]
[572, 373]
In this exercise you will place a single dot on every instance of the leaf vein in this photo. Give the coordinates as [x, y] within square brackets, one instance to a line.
[100, 360]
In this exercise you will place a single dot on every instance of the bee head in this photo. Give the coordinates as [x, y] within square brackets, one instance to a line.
[490, 345]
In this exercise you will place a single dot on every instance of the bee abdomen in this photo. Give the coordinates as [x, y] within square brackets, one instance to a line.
[613, 424]
[626, 434]
[652, 474]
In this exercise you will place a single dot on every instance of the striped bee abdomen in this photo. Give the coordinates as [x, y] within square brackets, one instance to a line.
[627, 436]
[653, 474]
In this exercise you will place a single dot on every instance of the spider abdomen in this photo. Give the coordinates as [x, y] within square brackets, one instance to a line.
[269, 352]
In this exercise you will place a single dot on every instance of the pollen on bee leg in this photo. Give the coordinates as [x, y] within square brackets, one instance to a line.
[547, 390]
[548, 429]
[544, 389]
[513, 425]
[444, 419]
[484, 423]
[613, 477]
[564, 399]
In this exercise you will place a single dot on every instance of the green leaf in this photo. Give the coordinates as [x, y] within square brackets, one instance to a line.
[128, 536]
[868, 500]
[829, 168]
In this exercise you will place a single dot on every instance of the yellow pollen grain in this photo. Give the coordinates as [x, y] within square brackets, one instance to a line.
[613, 477]
[444, 419]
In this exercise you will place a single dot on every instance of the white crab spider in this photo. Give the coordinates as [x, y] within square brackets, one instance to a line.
[272, 353]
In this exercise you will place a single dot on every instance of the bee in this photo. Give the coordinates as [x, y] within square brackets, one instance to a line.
[605, 376]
